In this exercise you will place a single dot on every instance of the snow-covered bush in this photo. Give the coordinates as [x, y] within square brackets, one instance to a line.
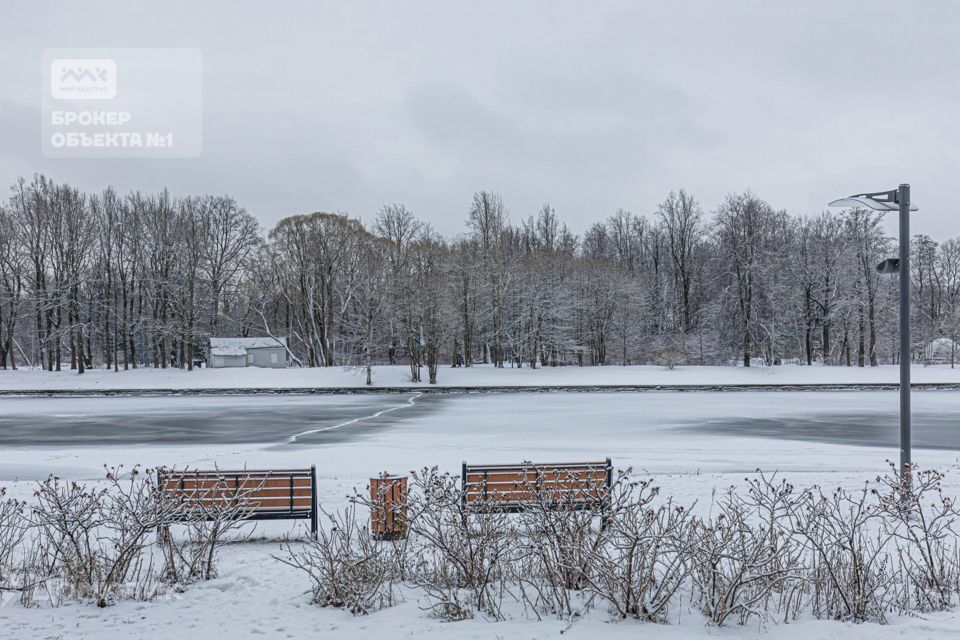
[560, 544]
[849, 564]
[639, 567]
[205, 518]
[463, 557]
[347, 568]
[96, 541]
[763, 552]
[671, 357]
[13, 528]
[922, 522]
[741, 559]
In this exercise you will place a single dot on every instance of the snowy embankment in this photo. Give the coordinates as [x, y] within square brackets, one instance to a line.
[479, 377]
[257, 596]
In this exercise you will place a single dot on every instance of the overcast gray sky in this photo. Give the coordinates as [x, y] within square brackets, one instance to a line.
[590, 105]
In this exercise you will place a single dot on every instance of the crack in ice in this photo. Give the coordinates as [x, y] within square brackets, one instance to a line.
[409, 403]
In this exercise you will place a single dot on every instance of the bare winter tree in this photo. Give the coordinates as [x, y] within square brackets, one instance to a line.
[13, 274]
[110, 280]
[400, 227]
[229, 235]
[744, 232]
[487, 222]
[682, 220]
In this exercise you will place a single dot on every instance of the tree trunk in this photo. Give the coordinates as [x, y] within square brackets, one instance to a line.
[369, 348]
[58, 355]
[861, 342]
[81, 357]
[826, 344]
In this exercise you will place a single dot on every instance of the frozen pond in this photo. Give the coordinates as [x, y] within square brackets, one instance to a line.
[181, 420]
[350, 438]
[856, 418]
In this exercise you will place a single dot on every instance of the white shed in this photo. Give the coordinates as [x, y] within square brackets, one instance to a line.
[247, 352]
[941, 351]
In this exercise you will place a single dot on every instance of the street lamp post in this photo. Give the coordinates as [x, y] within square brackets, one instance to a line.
[896, 200]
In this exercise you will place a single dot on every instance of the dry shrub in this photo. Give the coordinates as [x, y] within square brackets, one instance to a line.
[15, 550]
[741, 559]
[559, 545]
[764, 552]
[640, 566]
[96, 540]
[347, 568]
[922, 522]
[848, 565]
[208, 515]
[96, 543]
[13, 529]
[464, 556]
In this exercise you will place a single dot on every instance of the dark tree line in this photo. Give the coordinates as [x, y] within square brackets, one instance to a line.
[131, 280]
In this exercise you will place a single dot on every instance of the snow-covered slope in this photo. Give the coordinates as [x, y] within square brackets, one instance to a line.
[478, 376]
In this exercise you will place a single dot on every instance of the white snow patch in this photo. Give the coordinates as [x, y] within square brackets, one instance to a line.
[478, 376]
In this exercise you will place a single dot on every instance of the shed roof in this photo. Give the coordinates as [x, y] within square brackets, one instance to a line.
[242, 344]
[228, 351]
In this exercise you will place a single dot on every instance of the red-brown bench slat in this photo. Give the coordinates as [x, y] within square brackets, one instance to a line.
[257, 494]
[516, 487]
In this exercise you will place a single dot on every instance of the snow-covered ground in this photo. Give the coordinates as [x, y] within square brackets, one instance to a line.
[666, 435]
[478, 376]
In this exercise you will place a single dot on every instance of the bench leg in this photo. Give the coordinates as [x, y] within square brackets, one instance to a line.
[313, 507]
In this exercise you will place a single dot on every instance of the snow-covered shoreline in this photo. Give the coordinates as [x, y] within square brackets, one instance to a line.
[387, 378]
[257, 596]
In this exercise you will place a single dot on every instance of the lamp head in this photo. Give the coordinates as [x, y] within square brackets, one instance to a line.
[878, 201]
[889, 266]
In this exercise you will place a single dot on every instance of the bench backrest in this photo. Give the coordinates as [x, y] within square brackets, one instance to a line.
[253, 494]
[515, 487]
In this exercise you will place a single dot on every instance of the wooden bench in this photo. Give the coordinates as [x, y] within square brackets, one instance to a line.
[286, 494]
[517, 487]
